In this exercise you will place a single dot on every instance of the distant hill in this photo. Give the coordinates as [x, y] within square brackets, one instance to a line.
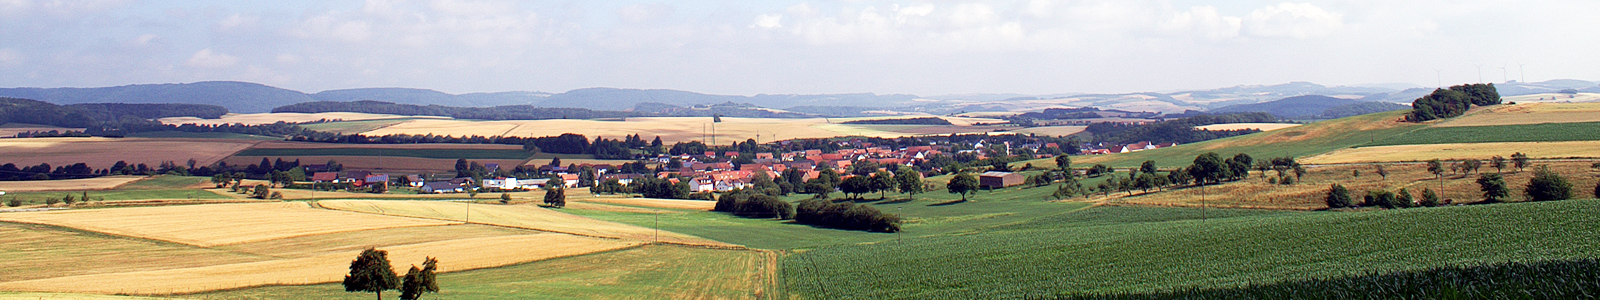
[241, 97]
[430, 97]
[1312, 107]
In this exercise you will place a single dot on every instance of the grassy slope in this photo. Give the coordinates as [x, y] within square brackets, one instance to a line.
[650, 272]
[1550, 132]
[1079, 253]
[1314, 138]
[157, 187]
[421, 153]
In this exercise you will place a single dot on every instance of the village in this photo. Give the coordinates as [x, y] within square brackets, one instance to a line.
[714, 171]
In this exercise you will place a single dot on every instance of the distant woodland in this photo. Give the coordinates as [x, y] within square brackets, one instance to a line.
[1176, 130]
[529, 112]
[910, 121]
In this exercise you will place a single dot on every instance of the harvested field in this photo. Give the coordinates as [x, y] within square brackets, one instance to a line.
[1308, 194]
[100, 153]
[308, 145]
[65, 296]
[355, 241]
[656, 203]
[97, 183]
[1052, 130]
[269, 118]
[12, 129]
[453, 255]
[1527, 113]
[516, 216]
[1256, 126]
[216, 224]
[670, 129]
[1552, 98]
[380, 164]
[1457, 151]
[29, 251]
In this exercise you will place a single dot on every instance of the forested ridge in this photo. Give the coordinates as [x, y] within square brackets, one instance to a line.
[1176, 130]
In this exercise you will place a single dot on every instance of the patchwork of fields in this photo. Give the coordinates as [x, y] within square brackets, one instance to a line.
[101, 153]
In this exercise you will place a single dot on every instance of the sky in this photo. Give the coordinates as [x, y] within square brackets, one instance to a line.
[794, 47]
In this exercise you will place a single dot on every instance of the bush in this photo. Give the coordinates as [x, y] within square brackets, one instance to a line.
[1338, 196]
[1429, 199]
[1597, 190]
[1381, 198]
[1547, 185]
[1493, 187]
[845, 216]
[1403, 199]
[14, 202]
[752, 204]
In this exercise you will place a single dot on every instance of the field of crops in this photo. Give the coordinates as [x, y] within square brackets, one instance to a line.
[648, 272]
[217, 224]
[1527, 113]
[97, 183]
[1412, 153]
[1574, 279]
[1051, 256]
[1549, 132]
[101, 153]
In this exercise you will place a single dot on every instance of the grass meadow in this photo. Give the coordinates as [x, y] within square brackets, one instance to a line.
[1548, 132]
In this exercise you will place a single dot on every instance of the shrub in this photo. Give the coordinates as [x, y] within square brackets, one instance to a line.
[1493, 187]
[14, 202]
[1381, 198]
[51, 201]
[1403, 199]
[845, 216]
[1429, 199]
[1546, 185]
[751, 204]
[1338, 196]
[1597, 190]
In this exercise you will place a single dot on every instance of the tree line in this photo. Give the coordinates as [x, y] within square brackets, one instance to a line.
[1176, 130]
[1452, 102]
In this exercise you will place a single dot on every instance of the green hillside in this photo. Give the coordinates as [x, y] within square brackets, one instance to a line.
[1549, 132]
[1310, 139]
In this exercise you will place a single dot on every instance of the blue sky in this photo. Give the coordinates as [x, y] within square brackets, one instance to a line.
[779, 47]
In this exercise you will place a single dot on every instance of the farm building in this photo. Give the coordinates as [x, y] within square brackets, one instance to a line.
[992, 180]
[325, 177]
[441, 187]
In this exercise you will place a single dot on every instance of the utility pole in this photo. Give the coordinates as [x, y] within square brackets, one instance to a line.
[899, 213]
[469, 212]
[658, 228]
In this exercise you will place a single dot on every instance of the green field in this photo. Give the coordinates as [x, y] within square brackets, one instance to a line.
[202, 135]
[350, 127]
[419, 153]
[1066, 254]
[649, 272]
[156, 187]
[1549, 132]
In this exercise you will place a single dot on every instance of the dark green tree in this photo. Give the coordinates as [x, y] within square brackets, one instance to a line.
[963, 183]
[1436, 167]
[1338, 196]
[909, 181]
[261, 192]
[854, 186]
[1493, 187]
[1209, 168]
[556, 197]
[1064, 163]
[1148, 167]
[418, 281]
[883, 182]
[1429, 198]
[1403, 199]
[1498, 162]
[1546, 185]
[1519, 160]
[370, 273]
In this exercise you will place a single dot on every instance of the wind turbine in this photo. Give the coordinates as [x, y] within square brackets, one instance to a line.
[1522, 72]
[1504, 75]
[1480, 72]
[1437, 74]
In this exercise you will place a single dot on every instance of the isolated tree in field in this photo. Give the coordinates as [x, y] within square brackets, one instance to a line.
[418, 281]
[1338, 197]
[370, 273]
[909, 182]
[1498, 162]
[1149, 166]
[1429, 198]
[1546, 185]
[883, 182]
[261, 192]
[1519, 160]
[505, 198]
[1493, 187]
[963, 184]
[1064, 164]
[855, 185]
[1383, 172]
[556, 197]
[1436, 167]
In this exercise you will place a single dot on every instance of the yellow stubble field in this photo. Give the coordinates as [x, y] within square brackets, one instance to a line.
[1481, 151]
[516, 216]
[453, 255]
[1527, 113]
[97, 183]
[216, 224]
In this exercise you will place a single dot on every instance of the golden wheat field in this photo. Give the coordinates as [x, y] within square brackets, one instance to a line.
[1527, 113]
[97, 183]
[216, 224]
[516, 216]
[1256, 126]
[101, 153]
[1310, 192]
[269, 118]
[453, 255]
[1401, 153]
[29, 251]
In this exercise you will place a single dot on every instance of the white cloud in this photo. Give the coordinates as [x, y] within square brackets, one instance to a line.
[1293, 20]
[145, 39]
[237, 21]
[205, 58]
[768, 21]
[9, 56]
[329, 27]
[1204, 20]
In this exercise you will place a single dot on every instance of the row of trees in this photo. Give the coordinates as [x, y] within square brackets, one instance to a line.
[845, 215]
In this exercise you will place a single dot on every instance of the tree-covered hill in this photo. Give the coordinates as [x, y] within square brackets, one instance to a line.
[1312, 107]
[241, 97]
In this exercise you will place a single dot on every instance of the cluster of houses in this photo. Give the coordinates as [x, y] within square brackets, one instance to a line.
[1103, 148]
[709, 172]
